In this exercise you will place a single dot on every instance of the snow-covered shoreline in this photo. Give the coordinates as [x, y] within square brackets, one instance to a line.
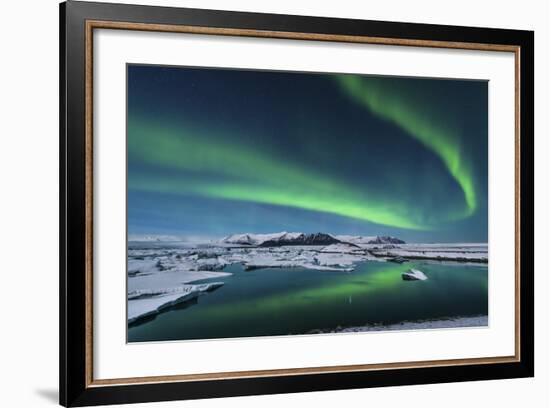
[450, 323]
[453, 252]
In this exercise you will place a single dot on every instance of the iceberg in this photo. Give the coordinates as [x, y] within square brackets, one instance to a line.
[414, 274]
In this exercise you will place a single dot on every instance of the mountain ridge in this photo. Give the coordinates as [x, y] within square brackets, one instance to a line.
[299, 238]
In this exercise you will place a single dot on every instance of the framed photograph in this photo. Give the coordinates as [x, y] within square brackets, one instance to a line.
[255, 203]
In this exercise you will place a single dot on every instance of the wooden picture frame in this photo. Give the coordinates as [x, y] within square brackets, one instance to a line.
[78, 20]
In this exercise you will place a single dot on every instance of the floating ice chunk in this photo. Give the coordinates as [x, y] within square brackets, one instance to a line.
[142, 266]
[413, 274]
[397, 259]
[141, 308]
[148, 302]
[145, 293]
[170, 279]
[342, 248]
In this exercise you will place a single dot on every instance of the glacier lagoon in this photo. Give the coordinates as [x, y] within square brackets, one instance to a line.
[299, 298]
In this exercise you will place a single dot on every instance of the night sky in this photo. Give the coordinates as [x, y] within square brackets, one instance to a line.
[213, 152]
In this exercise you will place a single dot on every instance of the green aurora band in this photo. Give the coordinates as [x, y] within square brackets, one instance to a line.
[404, 110]
[253, 176]
[212, 168]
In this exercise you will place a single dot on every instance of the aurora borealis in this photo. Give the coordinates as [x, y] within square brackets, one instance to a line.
[214, 151]
[419, 121]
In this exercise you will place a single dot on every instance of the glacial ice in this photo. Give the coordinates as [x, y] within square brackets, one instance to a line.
[414, 274]
[162, 275]
[144, 303]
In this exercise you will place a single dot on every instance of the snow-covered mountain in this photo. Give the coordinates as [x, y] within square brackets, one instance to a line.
[300, 238]
[280, 239]
[318, 238]
[257, 239]
[386, 240]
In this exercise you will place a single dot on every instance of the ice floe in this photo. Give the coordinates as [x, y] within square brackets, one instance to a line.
[414, 274]
[148, 302]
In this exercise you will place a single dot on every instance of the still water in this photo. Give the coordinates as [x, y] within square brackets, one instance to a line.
[282, 301]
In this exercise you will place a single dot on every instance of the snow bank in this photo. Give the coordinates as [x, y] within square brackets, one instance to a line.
[450, 323]
[439, 252]
[369, 240]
